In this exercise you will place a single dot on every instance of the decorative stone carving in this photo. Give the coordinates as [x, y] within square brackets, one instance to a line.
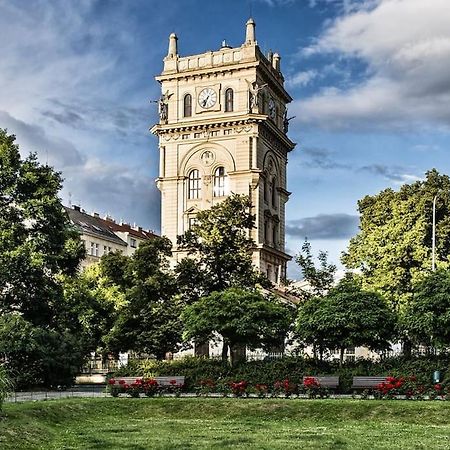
[207, 158]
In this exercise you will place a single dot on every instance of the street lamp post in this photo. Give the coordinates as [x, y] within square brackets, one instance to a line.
[433, 244]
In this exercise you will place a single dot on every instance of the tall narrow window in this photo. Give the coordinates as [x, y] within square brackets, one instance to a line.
[187, 105]
[274, 235]
[229, 100]
[220, 178]
[274, 192]
[194, 184]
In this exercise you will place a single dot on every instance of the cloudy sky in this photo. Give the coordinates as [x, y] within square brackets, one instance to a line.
[370, 82]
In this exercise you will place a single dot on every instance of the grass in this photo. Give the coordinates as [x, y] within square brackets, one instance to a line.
[199, 423]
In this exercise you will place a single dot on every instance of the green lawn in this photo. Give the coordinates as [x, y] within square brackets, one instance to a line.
[169, 423]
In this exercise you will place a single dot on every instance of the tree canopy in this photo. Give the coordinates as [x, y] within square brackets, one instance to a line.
[427, 316]
[38, 248]
[149, 322]
[240, 317]
[346, 317]
[220, 249]
[393, 248]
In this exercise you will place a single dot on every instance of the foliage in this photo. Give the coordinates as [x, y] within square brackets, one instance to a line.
[220, 249]
[321, 279]
[346, 317]
[39, 249]
[240, 317]
[149, 320]
[6, 385]
[427, 316]
[393, 247]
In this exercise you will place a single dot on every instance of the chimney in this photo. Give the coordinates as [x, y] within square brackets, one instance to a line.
[76, 208]
[96, 214]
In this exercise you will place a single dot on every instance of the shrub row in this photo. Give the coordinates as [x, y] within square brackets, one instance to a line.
[196, 369]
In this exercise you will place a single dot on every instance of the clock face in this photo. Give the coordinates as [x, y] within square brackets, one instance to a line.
[272, 109]
[207, 98]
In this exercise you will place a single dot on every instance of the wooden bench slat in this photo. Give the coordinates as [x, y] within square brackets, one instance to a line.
[367, 382]
[162, 381]
[331, 382]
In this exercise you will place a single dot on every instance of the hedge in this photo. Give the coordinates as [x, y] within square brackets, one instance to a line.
[196, 369]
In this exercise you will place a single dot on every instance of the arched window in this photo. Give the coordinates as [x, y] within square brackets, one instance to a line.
[229, 100]
[220, 178]
[194, 184]
[187, 105]
[266, 188]
[274, 192]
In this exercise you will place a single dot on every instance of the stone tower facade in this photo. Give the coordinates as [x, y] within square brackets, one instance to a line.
[223, 129]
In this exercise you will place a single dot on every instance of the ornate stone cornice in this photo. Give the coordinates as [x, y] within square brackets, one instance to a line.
[207, 124]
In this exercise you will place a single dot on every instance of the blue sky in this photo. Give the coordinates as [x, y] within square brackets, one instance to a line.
[370, 82]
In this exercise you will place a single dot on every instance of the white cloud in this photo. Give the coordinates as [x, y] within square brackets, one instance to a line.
[66, 92]
[302, 78]
[406, 47]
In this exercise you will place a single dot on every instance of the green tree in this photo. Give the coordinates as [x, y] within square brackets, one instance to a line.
[241, 317]
[427, 316]
[346, 317]
[220, 249]
[220, 252]
[393, 248]
[36, 240]
[37, 247]
[149, 322]
[319, 279]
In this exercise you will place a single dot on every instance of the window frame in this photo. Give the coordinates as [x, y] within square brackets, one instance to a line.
[194, 184]
[229, 100]
[220, 182]
[187, 106]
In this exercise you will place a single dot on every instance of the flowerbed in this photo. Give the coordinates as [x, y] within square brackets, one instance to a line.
[146, 386]
[286, 388]
[411, 388]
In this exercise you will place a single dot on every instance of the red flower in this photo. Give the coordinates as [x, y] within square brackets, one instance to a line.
[438, 387]
[311, 383]
[173, 382]
[111, 381]
[122, 382]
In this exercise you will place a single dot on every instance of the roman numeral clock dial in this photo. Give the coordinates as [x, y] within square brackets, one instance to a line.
[207, 98]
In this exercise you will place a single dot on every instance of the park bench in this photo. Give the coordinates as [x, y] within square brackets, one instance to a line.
[162, 381]
[367, 382]
[326, 382]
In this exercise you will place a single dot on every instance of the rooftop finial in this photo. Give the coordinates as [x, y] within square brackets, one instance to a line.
[276, 61]
[250, 32]
[173, 50]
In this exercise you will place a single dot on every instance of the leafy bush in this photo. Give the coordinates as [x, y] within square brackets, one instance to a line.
[6, 385]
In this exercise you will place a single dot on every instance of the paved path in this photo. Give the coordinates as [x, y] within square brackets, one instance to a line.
[76, 391]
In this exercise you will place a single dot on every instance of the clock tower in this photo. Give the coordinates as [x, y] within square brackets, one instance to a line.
[223, 129]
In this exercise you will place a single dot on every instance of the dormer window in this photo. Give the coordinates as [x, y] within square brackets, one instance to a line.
[229, 100]
[194, 181]
[187, 105]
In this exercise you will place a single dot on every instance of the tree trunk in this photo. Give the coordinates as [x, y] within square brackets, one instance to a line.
[237, 353]
[341, 356]
[225, 350]
[320, 353]
[407, 348]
